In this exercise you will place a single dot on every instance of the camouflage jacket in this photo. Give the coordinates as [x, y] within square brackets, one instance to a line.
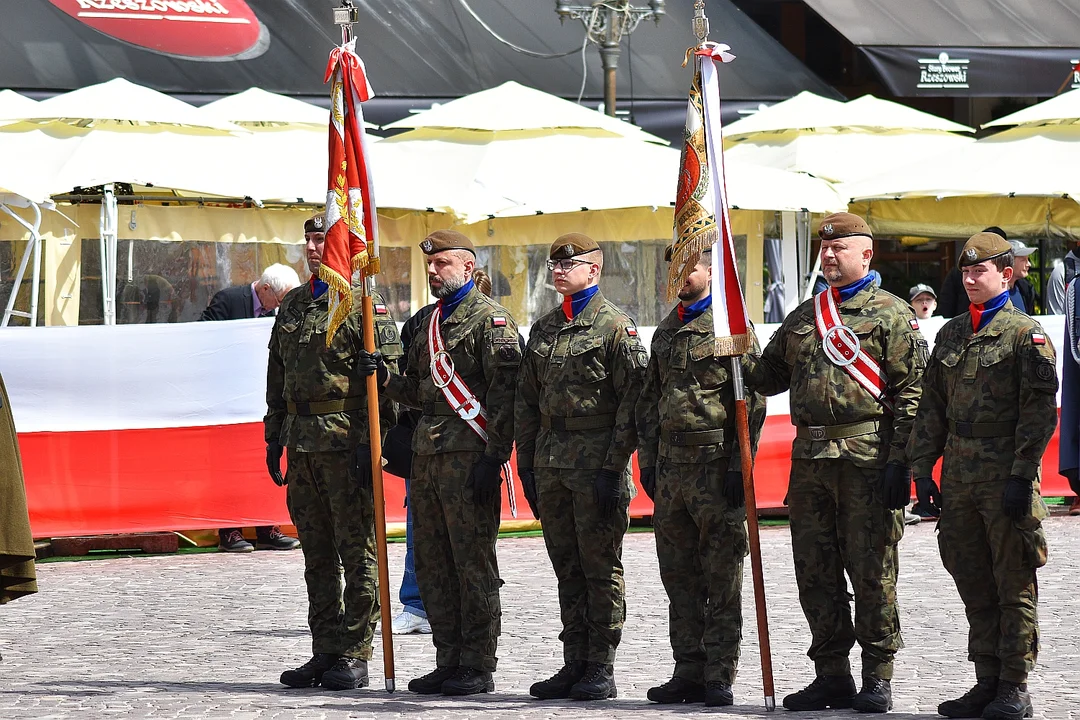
[1005, 373]
[688, 388]
[482, 341]
[823, 394]
[583, 368]
[303, 370]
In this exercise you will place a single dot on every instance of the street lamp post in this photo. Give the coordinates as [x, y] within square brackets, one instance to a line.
[606, 22]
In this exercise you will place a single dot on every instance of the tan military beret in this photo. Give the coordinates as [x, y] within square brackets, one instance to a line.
[441, 240]
[842, 225]
[572, 244]
[983, 246]
[315, 223]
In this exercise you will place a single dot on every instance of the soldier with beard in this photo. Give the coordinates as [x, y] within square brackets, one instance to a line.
[461, 374]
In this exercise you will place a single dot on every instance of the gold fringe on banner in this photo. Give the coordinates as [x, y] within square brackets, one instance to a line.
[734, 345]
[339, 309]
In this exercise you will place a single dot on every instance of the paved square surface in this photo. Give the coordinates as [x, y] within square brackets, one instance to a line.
[206, 636]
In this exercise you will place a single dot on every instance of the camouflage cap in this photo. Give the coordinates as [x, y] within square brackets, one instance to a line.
[441, 240]
[315, 223]
[842, 225]
[983, 246]
[572, 244]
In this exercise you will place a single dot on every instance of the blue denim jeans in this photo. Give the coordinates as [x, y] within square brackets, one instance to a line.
[409, 595]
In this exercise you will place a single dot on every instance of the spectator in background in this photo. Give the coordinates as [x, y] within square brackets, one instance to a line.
[258, 299]
[953, 299]
[1021, 293]
[923, 300]
[1062, 274]
[1069, 439]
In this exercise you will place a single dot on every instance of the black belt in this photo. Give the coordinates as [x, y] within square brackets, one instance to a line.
[982, 430]
[584, 422]
[693, 437]
[326, 407]
[438, 408]
[836, 432]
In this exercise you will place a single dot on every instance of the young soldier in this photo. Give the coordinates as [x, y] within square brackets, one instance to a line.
[461, 373]
[989, 410]
[574, 421]
[317, 410]
[691, 467]
[852, 358]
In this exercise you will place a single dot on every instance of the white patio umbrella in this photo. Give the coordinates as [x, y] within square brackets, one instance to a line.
[118, 103]
[14, 104]
[1061, 110]
[256, 107]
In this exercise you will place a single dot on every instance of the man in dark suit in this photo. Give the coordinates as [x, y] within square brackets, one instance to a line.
[259, 299]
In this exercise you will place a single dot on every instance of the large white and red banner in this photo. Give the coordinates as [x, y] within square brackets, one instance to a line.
[131, 428]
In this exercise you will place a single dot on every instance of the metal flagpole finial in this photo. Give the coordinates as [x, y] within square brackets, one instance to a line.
[345, 16]
[700, 23]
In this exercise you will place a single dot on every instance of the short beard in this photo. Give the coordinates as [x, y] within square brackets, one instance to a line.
[448, 288]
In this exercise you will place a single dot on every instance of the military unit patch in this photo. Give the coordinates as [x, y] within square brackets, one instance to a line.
[1045, 371]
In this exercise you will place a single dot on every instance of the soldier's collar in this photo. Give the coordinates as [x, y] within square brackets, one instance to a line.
[588, 314]
[702, 323]
[459, 312]
[996, 326]
[859, 299]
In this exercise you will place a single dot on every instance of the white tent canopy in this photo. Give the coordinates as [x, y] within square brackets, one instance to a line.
[12, 104]
[118, 101]
[1061, 110]
[261, 108]
[512, 107]
[1022, 162]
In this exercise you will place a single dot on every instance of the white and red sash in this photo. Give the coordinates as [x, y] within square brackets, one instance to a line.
[841, 346]
[458, 395]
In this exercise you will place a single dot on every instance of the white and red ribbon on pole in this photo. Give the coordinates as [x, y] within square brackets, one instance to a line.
[352, 231]
[841, 346]
[731, 323]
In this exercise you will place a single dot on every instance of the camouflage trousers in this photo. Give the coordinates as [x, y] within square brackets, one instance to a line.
[586, 554]
[335, 520]
[992, 560]
[700, 544]
[456, 568]
[839, 523]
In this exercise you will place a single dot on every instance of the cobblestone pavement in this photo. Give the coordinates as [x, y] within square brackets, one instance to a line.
[206, 636]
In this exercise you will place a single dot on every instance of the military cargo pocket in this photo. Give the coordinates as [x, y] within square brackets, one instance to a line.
[894, 526]
[590, 357]
[1032, 541]
[800, 345]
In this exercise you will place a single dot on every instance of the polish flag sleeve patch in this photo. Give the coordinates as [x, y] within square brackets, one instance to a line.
[1037, 338]
[498, 321]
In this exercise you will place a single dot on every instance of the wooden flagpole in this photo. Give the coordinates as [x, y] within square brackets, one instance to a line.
[375, 438]
[345, 16]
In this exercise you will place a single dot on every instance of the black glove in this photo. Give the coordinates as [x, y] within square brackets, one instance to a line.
[528, 486]
[926, 490]
[485, 479]
[1074, 481]
[896, 485]
[367, 363]
[362, 465]
[273, 463]
[607, 490]
[647, 476]
[1017, 499]
[732, 489]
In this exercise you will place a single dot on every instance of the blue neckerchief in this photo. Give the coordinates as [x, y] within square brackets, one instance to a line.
[1018, 299]
[450, 303]
[318, 287]
[849, 291]
[579, 300]
[990, 309]
[694, 310]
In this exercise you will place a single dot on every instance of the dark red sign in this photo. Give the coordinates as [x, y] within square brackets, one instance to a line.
[190, 29]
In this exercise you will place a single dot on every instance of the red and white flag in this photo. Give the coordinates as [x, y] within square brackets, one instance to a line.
[352, 231]
[701, 207]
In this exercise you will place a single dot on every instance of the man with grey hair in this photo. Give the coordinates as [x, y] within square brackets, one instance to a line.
[258, 299]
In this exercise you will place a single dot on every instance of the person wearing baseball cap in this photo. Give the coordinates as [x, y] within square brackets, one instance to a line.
[850, 478]
[988, 411]
[923, 300]
[1021, 293]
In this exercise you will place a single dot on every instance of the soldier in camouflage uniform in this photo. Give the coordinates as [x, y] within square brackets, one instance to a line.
[574, 422]
[317, 410]
[691, 467]
[455, 491]
[989, 409]
[850, 477]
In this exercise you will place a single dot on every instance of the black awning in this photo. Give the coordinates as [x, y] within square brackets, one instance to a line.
[964, 48]
[412, 49]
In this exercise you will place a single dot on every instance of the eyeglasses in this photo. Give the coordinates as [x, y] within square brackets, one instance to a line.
[565, 265]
